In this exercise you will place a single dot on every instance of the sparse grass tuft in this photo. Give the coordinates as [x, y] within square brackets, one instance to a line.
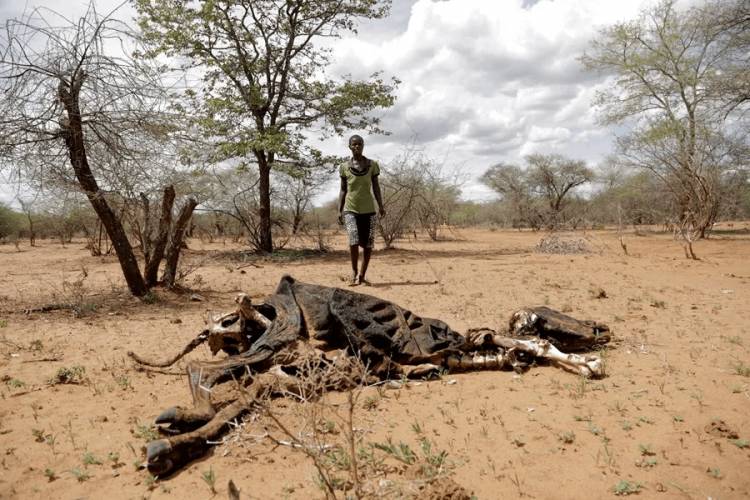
[15, 383]
[90, 459]
[567, 437]
[209, 476]
[371, 402]
[50, 474]
[625, 487]
[145, 432]
[742, 369]
[740, 443]
[80, 475]
[75, 374]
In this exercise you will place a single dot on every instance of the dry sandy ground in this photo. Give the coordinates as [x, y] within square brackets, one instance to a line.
[679, 364]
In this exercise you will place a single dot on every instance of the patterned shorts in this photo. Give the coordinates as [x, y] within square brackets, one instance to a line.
[360, 228]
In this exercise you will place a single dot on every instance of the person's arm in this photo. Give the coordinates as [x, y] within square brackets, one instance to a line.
[342, 199]
[378, 197]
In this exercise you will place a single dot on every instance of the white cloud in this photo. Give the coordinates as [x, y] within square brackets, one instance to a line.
[487, 81]
[483, 81]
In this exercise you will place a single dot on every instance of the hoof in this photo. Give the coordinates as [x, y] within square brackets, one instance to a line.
[158, 458]
[167, 416]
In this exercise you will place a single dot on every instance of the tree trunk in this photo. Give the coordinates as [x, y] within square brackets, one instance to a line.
[73, 133]
[175, 243]
[264, 187]
[151, 270]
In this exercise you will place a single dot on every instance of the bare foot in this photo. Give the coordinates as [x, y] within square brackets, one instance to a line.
[354, 280]
[363, 281]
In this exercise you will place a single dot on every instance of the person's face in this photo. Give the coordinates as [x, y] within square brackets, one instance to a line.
[356, 146]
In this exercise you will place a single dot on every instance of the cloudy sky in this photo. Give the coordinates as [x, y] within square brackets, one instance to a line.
[483, 81]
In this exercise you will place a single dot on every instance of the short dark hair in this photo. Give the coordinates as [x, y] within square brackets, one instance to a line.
[355, 136]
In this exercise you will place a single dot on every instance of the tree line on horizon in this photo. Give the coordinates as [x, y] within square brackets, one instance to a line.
[116, 148]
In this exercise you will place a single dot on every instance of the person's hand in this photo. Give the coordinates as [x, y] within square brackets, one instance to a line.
[382, 212]
[341, 219]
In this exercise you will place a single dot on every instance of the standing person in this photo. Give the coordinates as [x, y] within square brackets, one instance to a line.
[359, 191]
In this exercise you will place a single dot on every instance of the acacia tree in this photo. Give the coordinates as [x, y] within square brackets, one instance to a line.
[77, 111]
[668, 68]
[264, 80]
[553, 177]
[540, 192]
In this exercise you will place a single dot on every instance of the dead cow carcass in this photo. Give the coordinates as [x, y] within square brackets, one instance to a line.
[268, 342]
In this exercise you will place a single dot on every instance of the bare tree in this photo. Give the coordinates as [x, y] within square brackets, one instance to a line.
[668, 68]
[78, 111]
[295, 192]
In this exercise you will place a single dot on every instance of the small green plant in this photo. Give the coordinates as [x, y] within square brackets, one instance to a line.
[595, 429]
[70, 375]
[114, 457]
[678, 418]
[38, 435]
[417, 427]
[742, 369]
[714, 472]
[151, 482]
[124, 382]
[14, 383]
[625, 487]
[645, 420]
[145, 432]
[50, 474]
[567, 437]
[401, 451]
[80, 475]
[90, 459]
[36, 345]
[327, 427]
[435, 462]
[740, 443]
[371, 402]
[3, 323]
[646, 450]
[209, 476]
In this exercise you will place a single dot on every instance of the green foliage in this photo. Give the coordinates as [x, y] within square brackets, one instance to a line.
[262, 82]
[10, 221]
[541, 194]
[674, 69]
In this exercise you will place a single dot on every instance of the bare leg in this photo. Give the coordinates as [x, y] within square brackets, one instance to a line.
[367, 252]
[354, 253]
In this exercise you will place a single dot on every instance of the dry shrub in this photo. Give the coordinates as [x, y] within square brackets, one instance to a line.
[556, 244]
[327, 429]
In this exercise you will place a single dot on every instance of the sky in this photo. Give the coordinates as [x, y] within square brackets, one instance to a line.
[482, 81]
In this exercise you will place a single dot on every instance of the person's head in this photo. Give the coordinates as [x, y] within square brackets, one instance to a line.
[356, 145]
